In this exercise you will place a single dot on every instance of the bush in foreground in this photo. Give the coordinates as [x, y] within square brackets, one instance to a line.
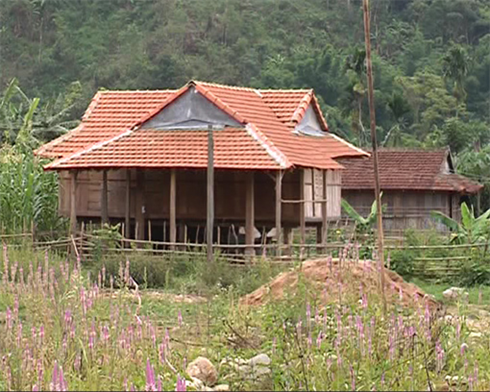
[60, 331]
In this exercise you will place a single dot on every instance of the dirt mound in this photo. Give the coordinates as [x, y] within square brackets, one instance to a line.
[326, 277]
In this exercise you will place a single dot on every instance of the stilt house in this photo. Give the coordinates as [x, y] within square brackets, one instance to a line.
[140, 158]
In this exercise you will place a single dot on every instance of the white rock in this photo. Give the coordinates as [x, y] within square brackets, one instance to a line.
[260, 360]
[455, 293]
[253, 368]
[221, 388]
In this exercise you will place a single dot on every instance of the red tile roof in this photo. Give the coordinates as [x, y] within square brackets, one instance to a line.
[406, 170]
[109, 114]
[174, 149]
[269, 117]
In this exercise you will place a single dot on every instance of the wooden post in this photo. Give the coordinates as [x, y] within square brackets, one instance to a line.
[127, 207]
[287, 239]
[372, 115]
[302, 217]
[250, 214]
[172, 221]
[325, 211]
[140, 205]
[279, 174]
[149, 229]
[478, 202]
[73, 202]
[210, 196]
[103, 199]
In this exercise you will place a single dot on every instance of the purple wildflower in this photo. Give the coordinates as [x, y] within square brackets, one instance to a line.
[181, 385]
[440, 356]
[8, 317]
[319, 339]
[150, 377]
[53, 386]
[179, 318]
[353, 378]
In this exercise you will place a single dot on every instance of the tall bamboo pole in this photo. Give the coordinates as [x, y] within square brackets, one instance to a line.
[372, 115]
[210, 196]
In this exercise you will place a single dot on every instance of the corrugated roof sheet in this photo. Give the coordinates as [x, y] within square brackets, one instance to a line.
[406, 170]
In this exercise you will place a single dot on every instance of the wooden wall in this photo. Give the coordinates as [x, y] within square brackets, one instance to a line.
[191, 195]
[314, 191]
[406, 209]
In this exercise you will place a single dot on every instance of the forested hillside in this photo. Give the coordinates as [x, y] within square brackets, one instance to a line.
[431, 60]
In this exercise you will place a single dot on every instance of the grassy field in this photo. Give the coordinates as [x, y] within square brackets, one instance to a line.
[59, 330]
[478, 295]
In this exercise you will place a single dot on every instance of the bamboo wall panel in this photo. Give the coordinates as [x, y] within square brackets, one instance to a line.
[405, 210]
[230, 187]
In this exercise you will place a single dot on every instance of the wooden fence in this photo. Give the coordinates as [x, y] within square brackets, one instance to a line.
[428, 261]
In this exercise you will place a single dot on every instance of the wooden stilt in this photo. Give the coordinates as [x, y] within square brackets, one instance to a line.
[172, 222]
[302, 218]
[73, 202]
[325, 212]
[103, 200]
[279, 174]
[123, 231]
[140, 205]
[250, 214]
[127, 207]
[319, 234]
[287, 239]
[210, 196]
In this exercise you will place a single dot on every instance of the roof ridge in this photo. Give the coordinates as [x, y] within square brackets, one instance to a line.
[91, 148]
[268, 145]
[286, 90]
[300, 110]
[339, 139]
[40, 151]
[139, 91]
[222, 85]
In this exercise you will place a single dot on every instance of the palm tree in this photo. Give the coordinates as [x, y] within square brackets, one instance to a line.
[399, 109]
[455, 65]
[356, 72]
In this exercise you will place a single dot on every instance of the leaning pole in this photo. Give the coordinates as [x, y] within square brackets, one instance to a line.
[372, 115]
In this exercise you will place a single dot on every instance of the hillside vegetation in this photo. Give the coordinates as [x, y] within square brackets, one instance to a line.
[431, 61]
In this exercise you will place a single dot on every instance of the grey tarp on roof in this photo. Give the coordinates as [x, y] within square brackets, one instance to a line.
[191, 111]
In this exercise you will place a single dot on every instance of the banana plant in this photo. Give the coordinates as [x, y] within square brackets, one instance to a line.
[363, 225]
[471, 230]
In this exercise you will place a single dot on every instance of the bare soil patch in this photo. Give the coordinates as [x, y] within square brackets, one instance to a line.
[327, 273]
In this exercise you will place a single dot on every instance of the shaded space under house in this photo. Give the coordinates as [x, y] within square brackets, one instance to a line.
[413, 182]
[140, 158]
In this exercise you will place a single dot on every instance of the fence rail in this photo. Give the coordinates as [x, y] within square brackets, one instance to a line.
[428, 261]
